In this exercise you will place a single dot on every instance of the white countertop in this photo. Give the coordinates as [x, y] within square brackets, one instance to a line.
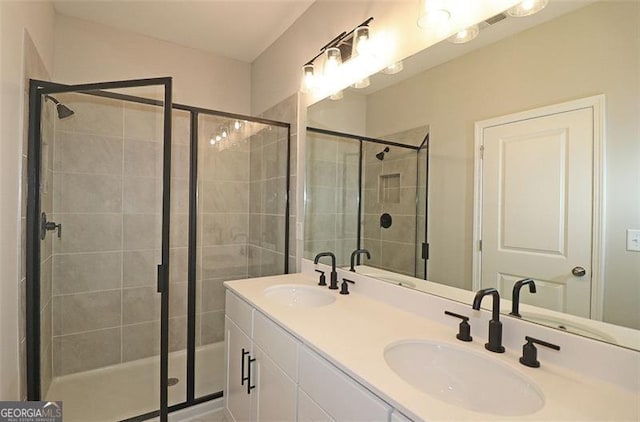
[353, 331]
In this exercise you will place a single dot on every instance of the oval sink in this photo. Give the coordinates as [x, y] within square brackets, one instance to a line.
[299, 296]
[463, 378]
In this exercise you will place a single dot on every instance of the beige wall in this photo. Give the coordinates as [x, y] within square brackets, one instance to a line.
[90, 52]
[591, 51]
[15, 18]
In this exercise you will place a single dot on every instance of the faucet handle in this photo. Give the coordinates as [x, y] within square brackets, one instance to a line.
[323, 278]
[464, 329]
[344, 288]
[530, 352]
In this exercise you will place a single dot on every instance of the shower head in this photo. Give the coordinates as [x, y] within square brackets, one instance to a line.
[63, 110]
[380, 155]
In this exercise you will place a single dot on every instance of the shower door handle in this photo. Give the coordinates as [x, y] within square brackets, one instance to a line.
[162, 278]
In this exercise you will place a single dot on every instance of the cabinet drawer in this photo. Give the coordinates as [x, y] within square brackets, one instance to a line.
[340, 396]
[281, 347]
[239, 312]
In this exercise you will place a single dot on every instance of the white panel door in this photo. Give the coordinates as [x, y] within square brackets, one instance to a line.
[537, 208]
[275, 392]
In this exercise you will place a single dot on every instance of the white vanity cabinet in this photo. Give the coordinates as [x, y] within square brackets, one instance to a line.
[261, 366]
[271, 376]
[338, 395]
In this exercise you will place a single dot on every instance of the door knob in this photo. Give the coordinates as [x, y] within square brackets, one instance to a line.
[579, 272]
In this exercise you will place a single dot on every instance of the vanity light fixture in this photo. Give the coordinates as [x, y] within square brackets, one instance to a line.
[337, 95]
[340, 49]
[465, 35]
[527, 8]
[433, 14]
[394, 68]
[362, 83]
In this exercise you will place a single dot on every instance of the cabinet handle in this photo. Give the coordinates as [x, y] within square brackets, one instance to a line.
[243, 378]
[249, 386]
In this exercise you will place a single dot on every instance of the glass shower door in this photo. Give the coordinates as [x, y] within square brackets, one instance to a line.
[98, 248]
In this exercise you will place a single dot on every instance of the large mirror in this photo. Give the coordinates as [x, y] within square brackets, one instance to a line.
[408, 146]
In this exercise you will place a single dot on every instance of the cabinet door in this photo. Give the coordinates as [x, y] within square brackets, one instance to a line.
[274, 398]
[336, 393]
[237, 399]
[309, 411]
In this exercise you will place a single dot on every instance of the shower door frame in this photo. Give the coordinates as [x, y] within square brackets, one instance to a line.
[33, 356]
[37, 89]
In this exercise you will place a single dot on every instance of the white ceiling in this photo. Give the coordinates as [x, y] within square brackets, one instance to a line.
[239, 29]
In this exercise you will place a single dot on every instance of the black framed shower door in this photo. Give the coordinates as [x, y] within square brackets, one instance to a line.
[39, 92]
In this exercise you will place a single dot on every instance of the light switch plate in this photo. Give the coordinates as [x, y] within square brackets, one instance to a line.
[633, 240]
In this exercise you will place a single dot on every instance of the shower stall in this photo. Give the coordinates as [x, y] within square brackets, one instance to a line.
[364, 192]
[138, 210]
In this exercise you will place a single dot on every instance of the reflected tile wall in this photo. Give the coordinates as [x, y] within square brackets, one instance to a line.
[331, 202]
[394, 248]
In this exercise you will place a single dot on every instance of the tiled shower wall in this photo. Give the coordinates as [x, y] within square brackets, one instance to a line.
[331, 217]
[107, 196]
[392, 248]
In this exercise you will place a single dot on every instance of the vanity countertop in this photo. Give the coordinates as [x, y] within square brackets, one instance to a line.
[354, 331]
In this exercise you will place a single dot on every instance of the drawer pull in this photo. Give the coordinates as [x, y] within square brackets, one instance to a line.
[249, 386]
[243, 378]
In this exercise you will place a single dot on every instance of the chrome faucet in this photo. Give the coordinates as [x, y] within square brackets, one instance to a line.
[495, 326]
[353, 257]
[333, 285]
[515, 296]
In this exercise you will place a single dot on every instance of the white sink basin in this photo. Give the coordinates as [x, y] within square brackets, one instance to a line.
[299, 296]
[463, 378]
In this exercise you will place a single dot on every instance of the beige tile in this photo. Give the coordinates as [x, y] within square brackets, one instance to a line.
[274, 160]
[320, 227]
[293, 198]
[142, 195]
[86, 272]
[85, 153]
[370, 174]
[180, 161]
[142, 231]
[224, 196]
[46, 370]
[398, 257]
[256, 203]
[142, 159]
[320, 200]
[88, 233]
[178, 300]
[84, 351]
[371, 204]
[177, 334]
[322, 147]
[314, 247]
[213, 292]
[224, 229]
[254, 261]
[179, 196]
[212, 327]
[140, 304]
[255, 229]
[343, 250]
[46, 280]
[403, 229]
[179, 230]
[407, 168]
[140, 268]
[255, 161]
[272, 263]
[347, 201]
[93, 114]
[274, 196]
[87, 193]
[371, 226]
[140, 341]
[46, 326]
[181, 127]
[223, 261]
[322, 173]
[179, 265]
[374, 247]
[346, 226]
[226, 165]
[143, 122]
[86, 311]
[273, 235]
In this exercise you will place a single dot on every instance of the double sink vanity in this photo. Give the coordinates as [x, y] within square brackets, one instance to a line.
[300, 351]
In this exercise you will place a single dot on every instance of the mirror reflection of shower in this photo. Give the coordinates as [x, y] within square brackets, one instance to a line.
[380, 155]
[63, 110]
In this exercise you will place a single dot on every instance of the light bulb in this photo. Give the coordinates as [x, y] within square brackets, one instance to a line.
[527, 8]
[337, 95]
[308, 78]
[334, 60]
[363, 83]
[361, 44]
[465, 35]
[433, 14]
[224, 133]
[212, 141]
[394, 68]
[236, 125]
[218, 138]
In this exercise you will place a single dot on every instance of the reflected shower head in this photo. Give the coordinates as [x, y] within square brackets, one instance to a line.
[380, 155]
[63, 110]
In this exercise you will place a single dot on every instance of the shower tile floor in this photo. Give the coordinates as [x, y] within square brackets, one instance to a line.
[131, 389]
